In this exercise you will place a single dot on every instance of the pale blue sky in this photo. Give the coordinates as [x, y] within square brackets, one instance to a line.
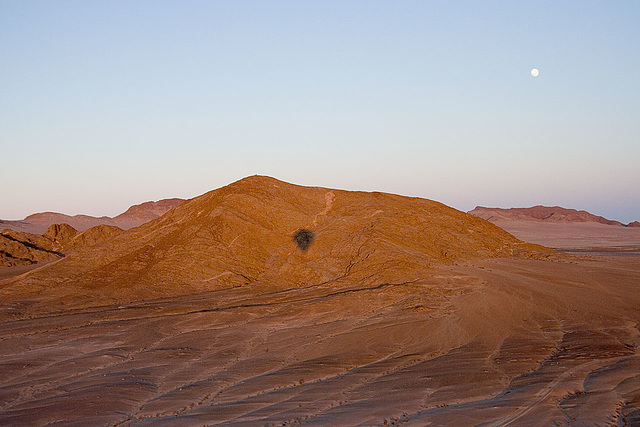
[104, 104]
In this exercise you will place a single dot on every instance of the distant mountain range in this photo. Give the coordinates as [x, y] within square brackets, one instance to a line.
[134, 216]
[48, 236]
[549, 214]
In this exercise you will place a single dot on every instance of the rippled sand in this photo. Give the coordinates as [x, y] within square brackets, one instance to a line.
[498, 342]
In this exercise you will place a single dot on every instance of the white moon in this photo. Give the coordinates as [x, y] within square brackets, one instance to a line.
[535, 72]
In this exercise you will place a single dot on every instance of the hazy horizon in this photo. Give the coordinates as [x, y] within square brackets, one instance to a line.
[109, 104]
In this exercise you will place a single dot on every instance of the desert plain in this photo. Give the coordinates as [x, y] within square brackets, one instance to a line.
[400, 311]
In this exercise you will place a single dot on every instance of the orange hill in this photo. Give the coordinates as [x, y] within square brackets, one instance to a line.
[242, 234]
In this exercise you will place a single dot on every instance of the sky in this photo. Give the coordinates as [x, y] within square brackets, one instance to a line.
[106, 104]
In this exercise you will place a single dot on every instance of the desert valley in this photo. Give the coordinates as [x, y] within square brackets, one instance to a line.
[392, 310]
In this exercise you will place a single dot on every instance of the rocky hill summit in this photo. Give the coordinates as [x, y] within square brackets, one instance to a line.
[540, 213]
[134, 216]
[248, 234]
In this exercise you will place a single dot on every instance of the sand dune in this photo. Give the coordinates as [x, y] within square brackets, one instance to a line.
[498, 332]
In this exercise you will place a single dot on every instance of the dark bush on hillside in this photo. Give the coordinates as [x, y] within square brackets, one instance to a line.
[303, 238]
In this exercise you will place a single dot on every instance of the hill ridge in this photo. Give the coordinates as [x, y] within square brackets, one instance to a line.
[243, 234]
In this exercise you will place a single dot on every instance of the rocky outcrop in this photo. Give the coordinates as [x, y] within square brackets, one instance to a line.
[20, 248]
[60, 235]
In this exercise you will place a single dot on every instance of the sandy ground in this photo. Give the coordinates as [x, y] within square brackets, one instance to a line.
[576, 236]
[7, 272]
[499, 342]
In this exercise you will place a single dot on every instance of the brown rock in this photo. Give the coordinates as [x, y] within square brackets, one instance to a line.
[28, 239]
[60, 235]
[19, 248]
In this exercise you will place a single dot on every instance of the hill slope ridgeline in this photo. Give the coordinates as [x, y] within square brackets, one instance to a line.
[243, 234]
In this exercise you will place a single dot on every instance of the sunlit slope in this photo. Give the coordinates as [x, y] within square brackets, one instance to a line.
[242, 234]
